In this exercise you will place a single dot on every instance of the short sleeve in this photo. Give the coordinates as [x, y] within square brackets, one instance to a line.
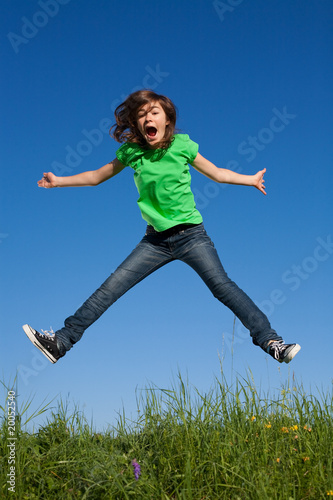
[193, 149]
[188, 147]
[127, 152]
[122, 154]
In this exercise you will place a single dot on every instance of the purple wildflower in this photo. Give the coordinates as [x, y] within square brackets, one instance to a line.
[137, 469]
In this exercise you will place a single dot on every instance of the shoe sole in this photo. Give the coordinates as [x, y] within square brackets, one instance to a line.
[30, 334]
[291, 354]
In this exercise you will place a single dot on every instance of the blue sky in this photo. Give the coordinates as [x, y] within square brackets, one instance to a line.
[253, 85]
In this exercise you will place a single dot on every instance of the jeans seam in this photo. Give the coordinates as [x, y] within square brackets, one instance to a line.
[142, 277]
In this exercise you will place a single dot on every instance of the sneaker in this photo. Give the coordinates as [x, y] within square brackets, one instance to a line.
[282, 352]
[45, 342]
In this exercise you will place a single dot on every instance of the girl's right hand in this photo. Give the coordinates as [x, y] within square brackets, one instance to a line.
[48, 181]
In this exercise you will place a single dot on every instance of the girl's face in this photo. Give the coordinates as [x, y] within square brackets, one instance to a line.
[152, 122]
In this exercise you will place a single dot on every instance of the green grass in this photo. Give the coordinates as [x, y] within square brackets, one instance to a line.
[230, 443]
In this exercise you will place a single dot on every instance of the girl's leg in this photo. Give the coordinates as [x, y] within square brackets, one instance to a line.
[199, 253]
[144, 259]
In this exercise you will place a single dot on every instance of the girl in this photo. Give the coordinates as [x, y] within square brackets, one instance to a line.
[145, 123]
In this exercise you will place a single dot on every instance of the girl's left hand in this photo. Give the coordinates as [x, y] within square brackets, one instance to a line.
[259, 182]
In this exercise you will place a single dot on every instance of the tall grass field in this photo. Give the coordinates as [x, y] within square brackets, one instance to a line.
[230, 443]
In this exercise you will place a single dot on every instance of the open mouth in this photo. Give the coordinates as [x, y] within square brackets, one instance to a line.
[151, 131]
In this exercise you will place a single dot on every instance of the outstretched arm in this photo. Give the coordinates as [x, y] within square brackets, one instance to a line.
[226, 176]
[90, 178]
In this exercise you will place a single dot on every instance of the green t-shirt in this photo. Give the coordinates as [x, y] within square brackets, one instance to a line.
[163, 180]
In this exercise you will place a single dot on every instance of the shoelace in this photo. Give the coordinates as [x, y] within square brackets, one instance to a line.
[48, 333]
[277, 348]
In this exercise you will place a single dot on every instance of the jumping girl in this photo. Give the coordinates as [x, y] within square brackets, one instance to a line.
[145, 123]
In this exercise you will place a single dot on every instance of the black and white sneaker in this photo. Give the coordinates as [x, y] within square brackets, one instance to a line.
[282, 352]
[45, 342]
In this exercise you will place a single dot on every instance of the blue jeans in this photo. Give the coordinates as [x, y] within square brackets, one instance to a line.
[191, 245]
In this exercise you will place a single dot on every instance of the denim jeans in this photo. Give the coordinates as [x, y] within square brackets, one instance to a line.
[189, 244]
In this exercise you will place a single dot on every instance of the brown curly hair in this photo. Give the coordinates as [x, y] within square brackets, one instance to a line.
[125, 128]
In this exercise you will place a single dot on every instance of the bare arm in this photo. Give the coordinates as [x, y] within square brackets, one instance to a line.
[90, 178]
[226, 176]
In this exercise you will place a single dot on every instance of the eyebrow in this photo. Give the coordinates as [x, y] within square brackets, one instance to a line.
[142, 112]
